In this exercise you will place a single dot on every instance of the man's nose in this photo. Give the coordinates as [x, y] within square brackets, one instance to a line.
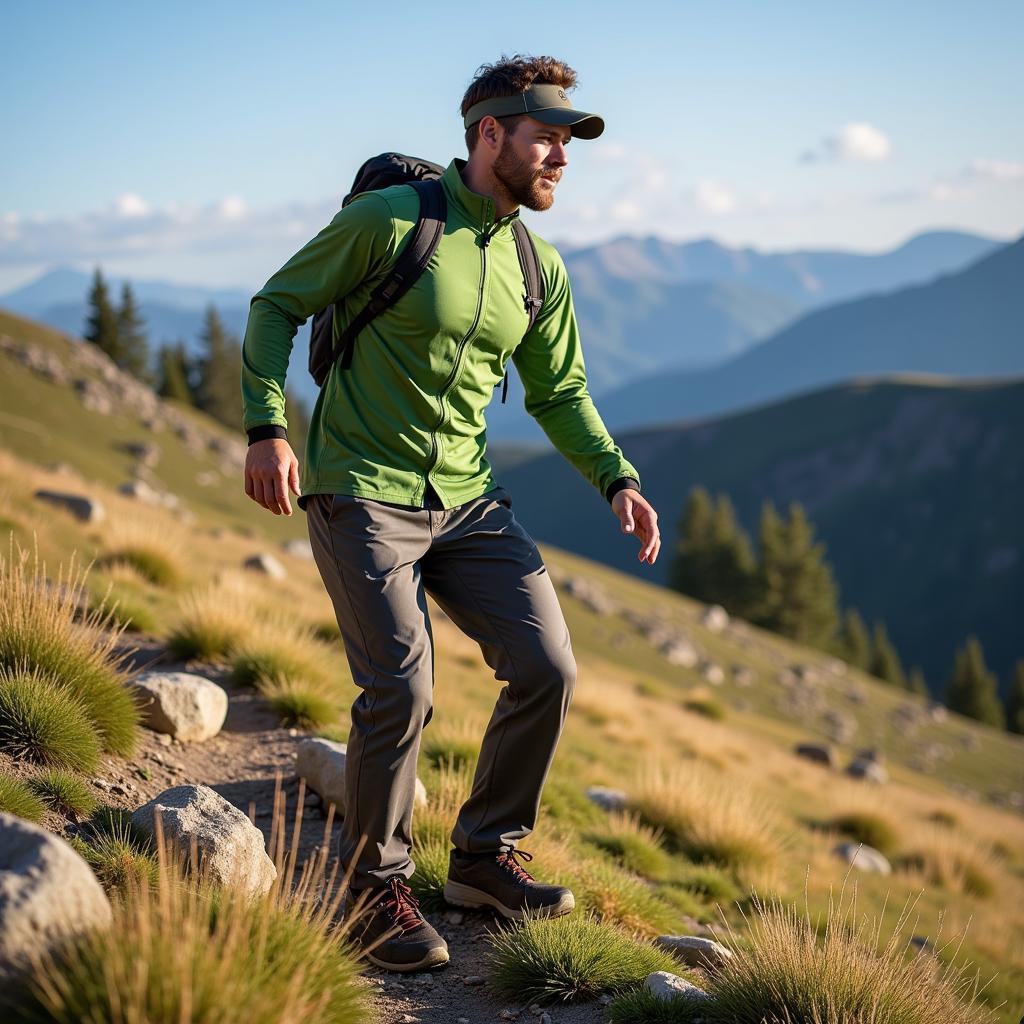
[558, 154]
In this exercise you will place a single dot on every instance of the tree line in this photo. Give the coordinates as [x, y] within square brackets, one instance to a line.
[789, 587]
[208, 378]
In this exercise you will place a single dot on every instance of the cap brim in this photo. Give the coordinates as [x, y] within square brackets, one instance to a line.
[583, 125]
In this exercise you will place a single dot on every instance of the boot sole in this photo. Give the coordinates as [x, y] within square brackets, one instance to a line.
[466, 896]
[435, 958]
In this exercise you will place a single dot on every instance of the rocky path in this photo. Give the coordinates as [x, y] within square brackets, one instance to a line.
[241, 763]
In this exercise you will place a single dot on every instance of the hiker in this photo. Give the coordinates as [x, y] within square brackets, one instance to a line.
[400, 498]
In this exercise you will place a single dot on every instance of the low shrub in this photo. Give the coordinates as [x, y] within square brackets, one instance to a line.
[867, 828]
[64, 792]
[568, 958]
[17, 799]
[708, 707]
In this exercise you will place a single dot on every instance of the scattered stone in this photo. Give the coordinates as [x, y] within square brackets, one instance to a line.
[142, 491]
[266, 564]
[665, 985]
[230, 846]
[865, 858]
[679, 651]
[298, 548]
[145, 451]
[715, 618]
[473, 980]
[321, 763]
[590, 595]
[48, 894]
[81, 506]
[742, 675]
[712, 673]
[179, 704]
[820, 753]
[454, 917]
[607, 799]
[420, 795]
[509, 1014]
[869, 771]
[545, 1018]
[695, 952]
[937, 712]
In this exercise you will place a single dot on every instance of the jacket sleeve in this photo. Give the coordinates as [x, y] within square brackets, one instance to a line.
[357, 244]
[550, 364]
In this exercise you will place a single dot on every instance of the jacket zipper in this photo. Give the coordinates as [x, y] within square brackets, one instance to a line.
[485, 240]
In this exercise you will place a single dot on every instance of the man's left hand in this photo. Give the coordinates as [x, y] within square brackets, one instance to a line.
[637, 516]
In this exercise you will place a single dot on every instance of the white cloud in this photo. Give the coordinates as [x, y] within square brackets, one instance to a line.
[232, 208]
[981, 169]
[131, 205]
[857, 141]
[712, 196]
[976, 176]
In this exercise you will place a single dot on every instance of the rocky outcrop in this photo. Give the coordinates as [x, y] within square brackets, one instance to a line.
[185, 706]
[48, 894]
[81, 506]
[229, 845]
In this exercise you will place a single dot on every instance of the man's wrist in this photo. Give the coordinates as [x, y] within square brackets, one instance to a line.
[621, 484]
[267, 431]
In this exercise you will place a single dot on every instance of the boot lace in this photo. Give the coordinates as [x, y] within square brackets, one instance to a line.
[400, 904]
[507, 860]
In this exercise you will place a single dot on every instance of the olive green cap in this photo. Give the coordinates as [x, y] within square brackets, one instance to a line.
[547, 103]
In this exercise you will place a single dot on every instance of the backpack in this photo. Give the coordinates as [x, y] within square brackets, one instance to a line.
[397, 169]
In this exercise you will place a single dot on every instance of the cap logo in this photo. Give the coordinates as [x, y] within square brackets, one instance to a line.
[562, 96]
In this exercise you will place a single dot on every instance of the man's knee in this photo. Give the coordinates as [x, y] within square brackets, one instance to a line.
[548, 671]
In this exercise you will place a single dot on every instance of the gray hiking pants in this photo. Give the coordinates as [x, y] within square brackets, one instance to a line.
[483, 569]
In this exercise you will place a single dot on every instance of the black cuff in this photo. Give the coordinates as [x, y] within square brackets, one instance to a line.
[266, 431]
[620, 485]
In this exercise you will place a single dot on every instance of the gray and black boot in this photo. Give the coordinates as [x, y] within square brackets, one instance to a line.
[499, 881]
[392, 931]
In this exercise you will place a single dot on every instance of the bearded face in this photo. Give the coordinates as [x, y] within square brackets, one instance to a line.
[526, 184]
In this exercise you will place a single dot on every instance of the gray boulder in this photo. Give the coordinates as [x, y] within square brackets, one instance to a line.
[868, 770]
[229, 845]
[695, 951]
[48, 894]
[606, 798]
[864, 858]
[81, 506]
[187, 707]
[666, 985]
[715, 618]
[820, 753]
[266, 564]
[298, 548]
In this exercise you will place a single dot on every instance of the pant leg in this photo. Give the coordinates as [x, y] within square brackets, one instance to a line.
[485, 571]
[368, 555]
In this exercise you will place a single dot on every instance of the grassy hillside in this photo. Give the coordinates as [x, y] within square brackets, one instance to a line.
[718, 804]
[915, 486]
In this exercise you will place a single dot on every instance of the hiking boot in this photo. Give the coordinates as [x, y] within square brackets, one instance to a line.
[393, 932]
[498, 880]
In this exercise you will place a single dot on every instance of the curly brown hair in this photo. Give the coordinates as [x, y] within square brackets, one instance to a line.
[508, 76]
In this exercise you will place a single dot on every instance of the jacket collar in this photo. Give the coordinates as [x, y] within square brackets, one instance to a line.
[477, 209]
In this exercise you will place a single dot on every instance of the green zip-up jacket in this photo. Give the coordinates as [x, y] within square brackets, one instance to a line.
[410, 408]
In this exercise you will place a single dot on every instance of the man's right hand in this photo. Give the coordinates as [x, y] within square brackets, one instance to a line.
[270, 470]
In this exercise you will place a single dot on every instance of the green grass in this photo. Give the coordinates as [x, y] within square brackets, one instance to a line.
[119, 854]
[568, 958]
[632, 844]
[126, 607]
[643, 1007]
[301, 704]
[43, 722]
[427, 881]
[64, 792]
[152, 565]
[17, 799]
[867, 828]
[707, 707]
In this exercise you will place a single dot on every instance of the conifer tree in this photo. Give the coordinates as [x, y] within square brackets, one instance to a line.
[916, 682]
[796, 592]
[218, 389]
[132, 343]
[1014, 706]
[689, 569]
[101, 328]
[885, 659]
[174, 373]
[972, 688]
[855, 644]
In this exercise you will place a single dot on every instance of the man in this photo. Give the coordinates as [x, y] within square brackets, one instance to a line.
[401, 501]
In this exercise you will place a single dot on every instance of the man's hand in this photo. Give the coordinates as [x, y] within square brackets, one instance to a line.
[637, 516]
[270, 470]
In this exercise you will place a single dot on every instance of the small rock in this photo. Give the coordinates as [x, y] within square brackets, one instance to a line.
[298, 548]
[607, 799]
[869, 771]
[715, 618]
[163, 739]
[665, 985]
[408, 1018]
[81, 506]
[712, 673]
[472, 980]
[695, 952]
[865, 858]
[266, 564]
[820, 753]
[508, 1014]
[420, 795]
[454, 917]
[321, 763]
[181, 705]
[545, 1018]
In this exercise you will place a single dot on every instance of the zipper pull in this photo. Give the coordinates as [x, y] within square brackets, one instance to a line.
[485, 238]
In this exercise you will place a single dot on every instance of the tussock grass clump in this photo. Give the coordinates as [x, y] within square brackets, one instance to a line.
[569, 958]
[188, 951]
[615, 895]
[17, 799]
[64, 792]
[427, 881]
[457, 742]
[952, 862]
[151, 549]
[211, 623]
[632, 844]
[299, 703]
[42, 721]
[868, 828]
[839, 971]
[707, 818]
[123, 605]
[278, 651]
[708, 707]
[42, 628]
[447, 789]
[643, 1007]
[119, 854]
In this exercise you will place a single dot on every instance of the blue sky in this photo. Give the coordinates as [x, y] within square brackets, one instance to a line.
[206, 142]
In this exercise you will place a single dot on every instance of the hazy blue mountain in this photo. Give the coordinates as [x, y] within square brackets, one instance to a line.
[916, 487]
[967, 324]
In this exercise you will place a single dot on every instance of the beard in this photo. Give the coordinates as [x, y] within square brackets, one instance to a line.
[520, 181]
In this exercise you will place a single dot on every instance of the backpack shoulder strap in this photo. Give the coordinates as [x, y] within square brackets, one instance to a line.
[533, 279]
[411, 263]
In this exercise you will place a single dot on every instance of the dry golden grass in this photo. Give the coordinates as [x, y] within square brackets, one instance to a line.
[152, 546]
[957, 863]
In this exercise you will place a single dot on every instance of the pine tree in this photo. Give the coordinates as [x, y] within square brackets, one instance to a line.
[218, 389]
[916, 682]
[101, 327]
[133, 345]
[796, 591]
[1014, 706]
[713, 559]
[174, 373]
[972, 689]
[885, 659]
[855, 642]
